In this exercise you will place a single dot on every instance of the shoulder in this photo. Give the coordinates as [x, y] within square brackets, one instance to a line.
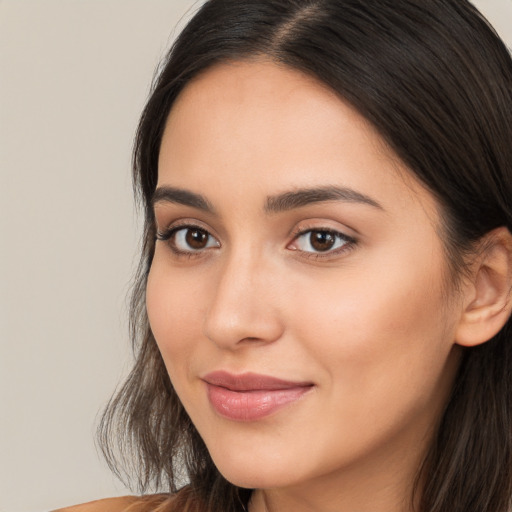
[122, 504]
[110, 504]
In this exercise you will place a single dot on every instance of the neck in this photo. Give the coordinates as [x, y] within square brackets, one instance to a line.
[340, 498]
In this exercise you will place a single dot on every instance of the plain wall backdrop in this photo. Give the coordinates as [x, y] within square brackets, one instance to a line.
[74, 75]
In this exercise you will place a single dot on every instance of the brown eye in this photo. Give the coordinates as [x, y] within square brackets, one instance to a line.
[322, 240]
[188, 239]
[196, 238]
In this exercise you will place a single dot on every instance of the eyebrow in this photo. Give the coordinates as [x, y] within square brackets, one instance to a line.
[274, 204]
[181, 196]
[305, 196]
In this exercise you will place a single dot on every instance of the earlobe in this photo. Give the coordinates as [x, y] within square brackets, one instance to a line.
[488, 301]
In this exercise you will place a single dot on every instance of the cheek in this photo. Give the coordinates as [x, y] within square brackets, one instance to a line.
[383, 351]
[173, 304]
[381, 329]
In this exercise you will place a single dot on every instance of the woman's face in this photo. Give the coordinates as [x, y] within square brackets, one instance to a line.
[298, 291]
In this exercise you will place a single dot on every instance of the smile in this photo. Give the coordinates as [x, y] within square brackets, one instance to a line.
[250, 397]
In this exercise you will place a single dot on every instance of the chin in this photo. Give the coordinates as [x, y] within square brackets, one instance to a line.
[258, 471]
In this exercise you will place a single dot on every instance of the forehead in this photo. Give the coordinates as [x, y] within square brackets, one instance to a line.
[268, 127]
[262, 95]
[257, 80]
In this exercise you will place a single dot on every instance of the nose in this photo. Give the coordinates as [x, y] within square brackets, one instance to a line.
[244, 306]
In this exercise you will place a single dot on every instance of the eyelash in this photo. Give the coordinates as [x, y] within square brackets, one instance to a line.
[169, 234]
[349, 242]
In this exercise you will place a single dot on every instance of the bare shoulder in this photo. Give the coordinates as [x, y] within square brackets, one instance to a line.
[147, 503]
[105, 505]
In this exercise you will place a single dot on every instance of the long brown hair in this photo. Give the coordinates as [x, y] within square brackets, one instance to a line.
[436, 81]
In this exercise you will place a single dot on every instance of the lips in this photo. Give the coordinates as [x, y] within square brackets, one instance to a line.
[250, 396]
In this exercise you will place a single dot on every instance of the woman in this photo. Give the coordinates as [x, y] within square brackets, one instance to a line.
[322, 313]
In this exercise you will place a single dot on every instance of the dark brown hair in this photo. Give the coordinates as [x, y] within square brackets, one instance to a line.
[436, 81]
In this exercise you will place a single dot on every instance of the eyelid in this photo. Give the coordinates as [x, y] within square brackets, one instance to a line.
[324, 225]
[169, 233]
[299, 231]
[183, 223]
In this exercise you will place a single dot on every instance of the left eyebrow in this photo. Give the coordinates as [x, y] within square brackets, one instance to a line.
[306, 196]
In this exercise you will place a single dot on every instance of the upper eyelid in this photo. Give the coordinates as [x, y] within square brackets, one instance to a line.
[183, 224]
[328, 230]
[345, 231]
[298, 229]
[347, 238]
[166, 214]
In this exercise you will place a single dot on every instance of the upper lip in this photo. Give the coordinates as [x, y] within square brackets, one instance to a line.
[251, 381]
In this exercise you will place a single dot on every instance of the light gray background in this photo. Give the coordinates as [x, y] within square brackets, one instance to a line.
[73, 79]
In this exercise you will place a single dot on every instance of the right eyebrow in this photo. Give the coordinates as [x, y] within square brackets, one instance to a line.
[181, 196]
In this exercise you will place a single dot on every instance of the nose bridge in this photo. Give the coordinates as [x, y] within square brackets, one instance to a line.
[243, 306]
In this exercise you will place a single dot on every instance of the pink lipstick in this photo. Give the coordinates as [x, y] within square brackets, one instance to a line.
[249, 396]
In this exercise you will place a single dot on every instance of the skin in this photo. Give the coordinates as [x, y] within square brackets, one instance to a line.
[371, 324]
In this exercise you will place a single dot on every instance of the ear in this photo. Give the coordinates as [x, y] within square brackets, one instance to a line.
[487, 297]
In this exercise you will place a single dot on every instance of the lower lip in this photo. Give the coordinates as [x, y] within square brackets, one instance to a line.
[252, 405]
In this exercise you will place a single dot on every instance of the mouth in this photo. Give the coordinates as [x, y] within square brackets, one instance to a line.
[250, 396]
